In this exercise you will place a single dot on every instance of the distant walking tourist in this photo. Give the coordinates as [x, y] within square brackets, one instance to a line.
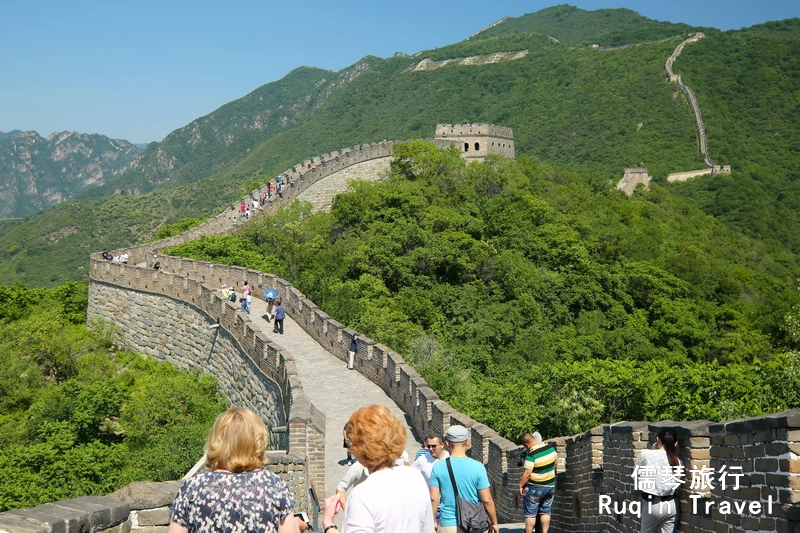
[538, 483]
[346, 445]
[393, 499]
[280, 314]
[471, 481]
[659, 505]
[236, 493]
[156, 262]
[351, 353]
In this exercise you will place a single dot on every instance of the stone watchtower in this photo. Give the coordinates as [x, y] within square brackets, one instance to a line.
[476, 141]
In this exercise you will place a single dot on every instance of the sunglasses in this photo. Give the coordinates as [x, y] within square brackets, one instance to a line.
[432, 446]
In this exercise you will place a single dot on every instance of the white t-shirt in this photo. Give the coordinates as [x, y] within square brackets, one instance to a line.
[354, 476]
[402, 460]
[424, 464]
[392, 500]
[651, 464]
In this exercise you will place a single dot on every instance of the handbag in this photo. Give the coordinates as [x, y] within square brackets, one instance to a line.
[470, 517]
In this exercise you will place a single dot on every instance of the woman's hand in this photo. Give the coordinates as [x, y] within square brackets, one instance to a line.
[333, 504]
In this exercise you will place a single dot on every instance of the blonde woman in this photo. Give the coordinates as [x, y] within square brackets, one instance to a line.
[236, 493]
[393, 499]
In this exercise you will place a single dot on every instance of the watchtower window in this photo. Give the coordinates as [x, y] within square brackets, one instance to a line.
[466, 147]
[477, 146]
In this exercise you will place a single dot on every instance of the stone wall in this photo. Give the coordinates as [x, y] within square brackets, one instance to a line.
[322, 193]
[178, 333]
[246, 363]
[766, 448]
[476, 141]
[683, 176]
[141, 507]
[631, 178]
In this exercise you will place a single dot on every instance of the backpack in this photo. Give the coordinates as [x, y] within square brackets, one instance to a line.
[232, 297]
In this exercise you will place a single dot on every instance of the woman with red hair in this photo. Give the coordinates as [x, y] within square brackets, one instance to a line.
[393, 499]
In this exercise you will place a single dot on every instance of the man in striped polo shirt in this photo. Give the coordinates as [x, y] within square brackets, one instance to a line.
[538, 482]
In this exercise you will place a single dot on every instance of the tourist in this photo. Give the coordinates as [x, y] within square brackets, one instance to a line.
[346, 445]
[393, 498]
[659, 508]
[255, 205]
[354, 476]
[106, 254]
[280, 314]
[351, 353]
[242, 209]
[402, 460]
[156, 262]
[236, 493]
[471, 480]
[116, 258]
[124, 258]
[270, 304]
[433, 451]
[537, 485]
[246, 288]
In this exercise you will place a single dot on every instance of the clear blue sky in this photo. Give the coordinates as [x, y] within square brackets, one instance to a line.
[138, 70]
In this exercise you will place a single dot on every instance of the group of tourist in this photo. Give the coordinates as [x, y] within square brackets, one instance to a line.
[276, 312]
[115, 257]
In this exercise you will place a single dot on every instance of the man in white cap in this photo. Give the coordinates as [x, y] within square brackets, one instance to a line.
[471, 480]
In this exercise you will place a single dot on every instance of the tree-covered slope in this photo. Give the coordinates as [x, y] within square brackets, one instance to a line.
[569, 24]
[577, 107]
[747, 83]
[529, 298]
[78, 417]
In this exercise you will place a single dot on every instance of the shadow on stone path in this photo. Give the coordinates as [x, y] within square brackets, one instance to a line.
[332, 388]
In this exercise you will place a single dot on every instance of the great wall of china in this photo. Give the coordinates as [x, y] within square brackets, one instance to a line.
[635, 176]
[177, 314]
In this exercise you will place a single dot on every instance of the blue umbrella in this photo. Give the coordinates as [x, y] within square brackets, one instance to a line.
[270, 293]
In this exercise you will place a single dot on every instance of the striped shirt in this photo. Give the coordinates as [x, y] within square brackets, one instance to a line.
[541, 461]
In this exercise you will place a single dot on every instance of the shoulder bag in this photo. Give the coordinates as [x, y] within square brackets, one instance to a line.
[470, 517]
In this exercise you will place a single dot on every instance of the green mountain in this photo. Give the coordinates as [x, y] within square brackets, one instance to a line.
[222, 138]
[578, 108]
[747, 83]
[37, 173]
[569, 24]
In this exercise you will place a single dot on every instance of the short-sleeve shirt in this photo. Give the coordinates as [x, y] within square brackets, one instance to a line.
[470, 477]
[245, 502]
[541, 461]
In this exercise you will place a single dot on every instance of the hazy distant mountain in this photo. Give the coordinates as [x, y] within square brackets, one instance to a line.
[8, 134]
[37, 173]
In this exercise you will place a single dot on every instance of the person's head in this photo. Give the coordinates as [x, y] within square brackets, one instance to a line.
[667, 439]
[278, 301]
[527, 439]
[237, 441]
[245, 282]
[376, 437]
[434, 443]
[457, 438]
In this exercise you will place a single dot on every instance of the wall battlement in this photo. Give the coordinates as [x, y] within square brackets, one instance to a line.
[476, 141]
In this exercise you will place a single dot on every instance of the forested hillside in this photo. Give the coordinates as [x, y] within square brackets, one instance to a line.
[531, 297]
[577, 107]
[747, 83]
[78, 417]
[607, 27]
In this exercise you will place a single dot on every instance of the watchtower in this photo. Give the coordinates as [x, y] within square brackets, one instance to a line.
[476, 141]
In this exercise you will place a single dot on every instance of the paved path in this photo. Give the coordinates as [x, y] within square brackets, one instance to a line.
[332, 388]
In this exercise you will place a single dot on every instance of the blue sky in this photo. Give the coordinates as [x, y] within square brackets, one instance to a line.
[138, 70]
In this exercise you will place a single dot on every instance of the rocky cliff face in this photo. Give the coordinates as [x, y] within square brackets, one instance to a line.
[37, 173]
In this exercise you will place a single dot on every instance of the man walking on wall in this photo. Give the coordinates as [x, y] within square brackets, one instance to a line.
[280, 314]
[471, 479]
[538, 483]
